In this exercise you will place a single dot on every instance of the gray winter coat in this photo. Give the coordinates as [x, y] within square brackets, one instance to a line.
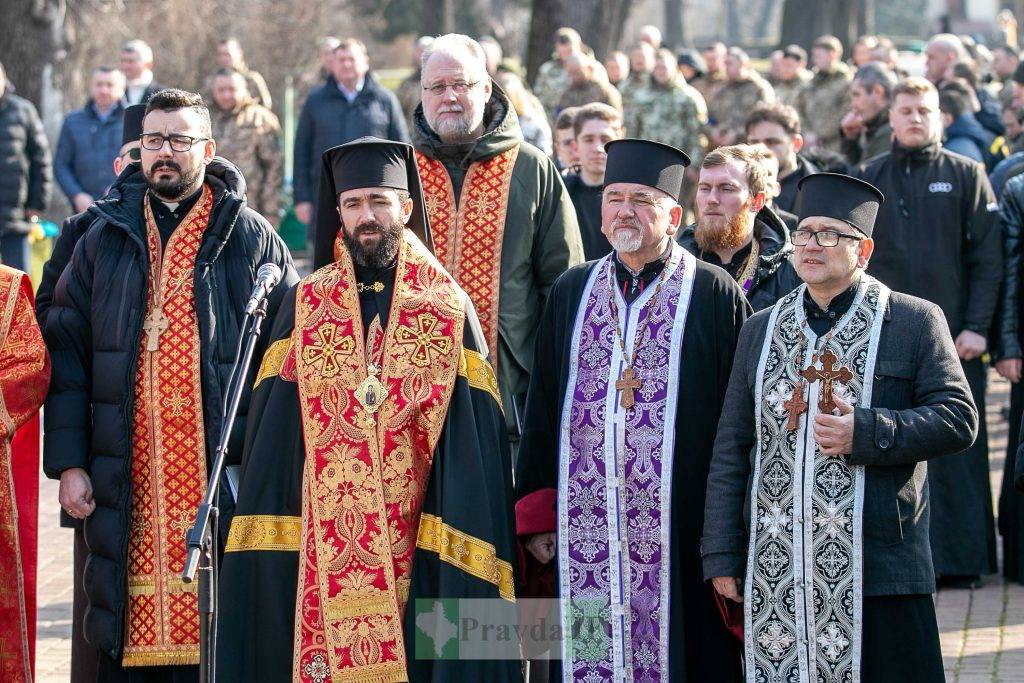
[921, 409]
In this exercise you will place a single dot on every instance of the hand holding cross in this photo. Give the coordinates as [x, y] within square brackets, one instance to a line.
[828, 374]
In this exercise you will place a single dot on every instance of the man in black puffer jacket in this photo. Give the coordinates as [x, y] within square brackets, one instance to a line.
[138, 362]
[737, 230]
[25, 173]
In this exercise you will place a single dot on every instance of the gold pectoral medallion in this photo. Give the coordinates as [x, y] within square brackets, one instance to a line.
[371, 392]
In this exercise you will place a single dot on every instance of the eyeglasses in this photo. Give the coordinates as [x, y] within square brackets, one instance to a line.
[824, 238]
[458, 87]
[133, 154]
[179, 143]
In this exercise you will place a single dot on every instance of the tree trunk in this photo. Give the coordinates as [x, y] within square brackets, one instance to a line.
[31, 46]
[674, 37]
[802, 21]
[600, 23]
[733, 30]
[438, 17]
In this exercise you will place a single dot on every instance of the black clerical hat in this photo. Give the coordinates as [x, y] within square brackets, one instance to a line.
[648, 163]
[131, 129]
[366, 162]
[839, 196]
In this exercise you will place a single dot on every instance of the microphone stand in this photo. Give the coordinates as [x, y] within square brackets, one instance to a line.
[202, 538]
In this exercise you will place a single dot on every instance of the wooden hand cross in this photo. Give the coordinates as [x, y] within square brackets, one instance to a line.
[627, 384]
[828, 375]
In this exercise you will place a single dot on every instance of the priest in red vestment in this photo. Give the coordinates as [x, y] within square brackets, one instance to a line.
[24, 379]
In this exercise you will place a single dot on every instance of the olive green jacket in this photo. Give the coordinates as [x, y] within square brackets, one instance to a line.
[540, 242]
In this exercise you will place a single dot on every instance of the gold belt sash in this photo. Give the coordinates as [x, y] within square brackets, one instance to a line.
[168, 452]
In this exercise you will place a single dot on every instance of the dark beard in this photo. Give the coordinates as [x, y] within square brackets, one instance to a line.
[730, 236]
[172, 190]
[379, 255]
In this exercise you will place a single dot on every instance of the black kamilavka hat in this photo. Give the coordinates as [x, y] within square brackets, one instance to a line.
[839, 196]
[132, 123]
[648, 163]
[366, 162]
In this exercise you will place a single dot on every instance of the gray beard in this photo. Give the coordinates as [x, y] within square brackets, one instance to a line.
[625, 242]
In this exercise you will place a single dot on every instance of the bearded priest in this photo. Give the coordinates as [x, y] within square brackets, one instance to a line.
[817, 503]
[376, 470]
[620, 422]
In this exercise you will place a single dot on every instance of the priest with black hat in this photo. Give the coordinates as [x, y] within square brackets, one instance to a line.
[620, 421]
[817, 509]
[376, 476]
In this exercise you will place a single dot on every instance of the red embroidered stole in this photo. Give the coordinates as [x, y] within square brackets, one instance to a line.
[365, 473]
[24, 379]
[168, 452]
[467, 240]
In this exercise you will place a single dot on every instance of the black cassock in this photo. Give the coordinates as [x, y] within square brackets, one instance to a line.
[700, 647]
[258, 587]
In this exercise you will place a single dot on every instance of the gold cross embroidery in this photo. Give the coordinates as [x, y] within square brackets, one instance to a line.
[425, 340]
[177, 283]
[176, 402]
[183, 523]
[434, 202]
[481, 206]
[326, 353]
[139, 527]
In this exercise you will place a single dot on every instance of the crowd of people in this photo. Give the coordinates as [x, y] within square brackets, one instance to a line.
[698, 351]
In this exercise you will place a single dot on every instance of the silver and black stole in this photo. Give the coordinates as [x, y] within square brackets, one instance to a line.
[804, 583]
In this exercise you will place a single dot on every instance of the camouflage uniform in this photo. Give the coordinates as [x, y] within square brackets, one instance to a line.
[409, 93]
[591, 91]
[735, 100]
[551, 82]
[247, 136]
[823, 103]
[709, 84]
[632, 86]
[671, 115]
[255, 83]
[787, 92]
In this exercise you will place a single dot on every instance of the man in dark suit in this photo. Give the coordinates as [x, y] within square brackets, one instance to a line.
[817, 492]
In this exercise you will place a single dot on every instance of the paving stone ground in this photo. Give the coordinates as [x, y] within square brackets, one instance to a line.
[982, 630]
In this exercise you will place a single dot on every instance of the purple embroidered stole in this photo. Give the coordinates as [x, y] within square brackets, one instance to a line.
[615, 479]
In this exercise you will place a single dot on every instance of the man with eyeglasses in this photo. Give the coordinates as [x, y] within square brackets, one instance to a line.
[842, 396]
[939, 238]
[142, 331]
[83, 655]
[502, 221]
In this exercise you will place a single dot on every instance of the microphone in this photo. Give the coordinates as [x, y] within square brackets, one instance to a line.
[267, 278]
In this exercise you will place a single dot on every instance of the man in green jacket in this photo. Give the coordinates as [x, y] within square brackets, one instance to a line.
[502, 222]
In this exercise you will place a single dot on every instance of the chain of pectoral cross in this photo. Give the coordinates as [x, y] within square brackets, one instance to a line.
[628, 382]
[828, 374]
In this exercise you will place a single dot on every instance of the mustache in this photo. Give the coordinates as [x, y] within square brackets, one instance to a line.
[369, 226]
[450, 109]
[626, 223]
[173, 165]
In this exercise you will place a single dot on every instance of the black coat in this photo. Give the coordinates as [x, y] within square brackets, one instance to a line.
[26, 175]
[937, 235]
[94, 333]
[921, 408]
[1006, 342]
[775, 276]
[328, 119]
